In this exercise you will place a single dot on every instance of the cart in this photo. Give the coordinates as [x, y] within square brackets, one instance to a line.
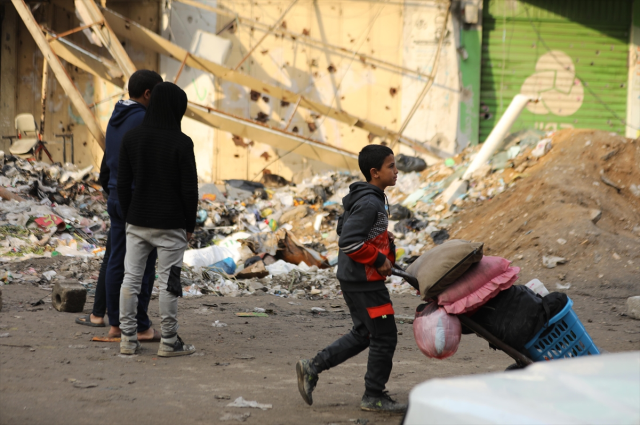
[564, 335]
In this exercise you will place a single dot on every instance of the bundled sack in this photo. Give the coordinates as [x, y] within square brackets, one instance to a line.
[436, 332]
[481, 282]
[439, 267]
[516, 315]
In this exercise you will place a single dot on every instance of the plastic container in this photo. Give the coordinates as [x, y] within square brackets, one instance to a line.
[564, 336]
[538, 287]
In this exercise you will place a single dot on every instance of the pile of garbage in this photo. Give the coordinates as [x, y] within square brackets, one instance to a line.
[279, 238]
[273, 236]
[50, 210]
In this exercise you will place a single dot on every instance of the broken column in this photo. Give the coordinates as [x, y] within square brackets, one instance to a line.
[68, 296]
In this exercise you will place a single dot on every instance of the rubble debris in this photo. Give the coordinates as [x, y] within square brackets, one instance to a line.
[408, 164]
[633, 307]
[68, 296]
[551, 261]
[241, 402]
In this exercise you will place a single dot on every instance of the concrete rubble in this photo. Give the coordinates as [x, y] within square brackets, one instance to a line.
[271, 238]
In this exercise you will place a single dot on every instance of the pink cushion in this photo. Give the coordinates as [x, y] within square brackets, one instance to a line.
[482, 294]
[473, 279]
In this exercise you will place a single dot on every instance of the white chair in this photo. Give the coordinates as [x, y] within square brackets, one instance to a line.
[28, 143]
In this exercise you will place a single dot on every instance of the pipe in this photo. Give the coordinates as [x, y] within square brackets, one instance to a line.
[498, 133]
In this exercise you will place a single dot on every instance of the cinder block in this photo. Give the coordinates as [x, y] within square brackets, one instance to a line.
[68, 296]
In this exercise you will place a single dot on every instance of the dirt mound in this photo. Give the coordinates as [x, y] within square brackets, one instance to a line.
[553, 209]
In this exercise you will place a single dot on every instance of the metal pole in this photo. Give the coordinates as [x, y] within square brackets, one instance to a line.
[275, 25]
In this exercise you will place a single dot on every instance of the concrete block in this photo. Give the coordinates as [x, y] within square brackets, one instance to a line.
[68, 296]
[595, 215]
[633, 307]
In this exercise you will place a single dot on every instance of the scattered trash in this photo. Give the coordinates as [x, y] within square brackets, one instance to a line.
[252, 314]
[239, 417]
[317, 309]
[563, 286]
[410, 163]
[5, 335]
[81, 385]
[241, 402]
[552, 261]
[219, 324]
[245, 357]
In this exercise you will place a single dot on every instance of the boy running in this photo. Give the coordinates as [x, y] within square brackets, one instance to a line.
[367, 253]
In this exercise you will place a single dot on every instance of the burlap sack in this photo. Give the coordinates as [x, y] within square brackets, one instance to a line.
[439, 267]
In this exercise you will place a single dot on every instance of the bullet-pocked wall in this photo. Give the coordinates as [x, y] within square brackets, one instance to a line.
[401, 33]
[26, 81]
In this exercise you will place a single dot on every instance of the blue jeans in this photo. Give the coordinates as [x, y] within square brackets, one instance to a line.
[115, 270]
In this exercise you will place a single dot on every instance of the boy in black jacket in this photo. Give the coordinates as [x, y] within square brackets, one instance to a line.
[366, 256]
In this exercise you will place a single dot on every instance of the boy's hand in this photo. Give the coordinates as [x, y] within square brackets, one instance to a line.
[385, 269]
[392, 237]
[189, 236]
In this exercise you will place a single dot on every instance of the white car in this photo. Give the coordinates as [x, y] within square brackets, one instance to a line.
[602, 389]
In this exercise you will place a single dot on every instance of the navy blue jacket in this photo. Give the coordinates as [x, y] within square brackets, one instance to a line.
[127, 115]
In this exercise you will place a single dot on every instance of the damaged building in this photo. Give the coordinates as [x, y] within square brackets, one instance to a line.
[294, 88]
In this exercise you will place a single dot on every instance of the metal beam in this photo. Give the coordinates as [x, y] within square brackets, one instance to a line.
[242, 127]
[59, 71]
[304, 38]
[109, 39]
[277, 138]
[97, 65]
[269, 31]
[124, 27]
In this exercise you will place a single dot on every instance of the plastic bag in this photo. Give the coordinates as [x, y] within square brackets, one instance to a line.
[436, 332]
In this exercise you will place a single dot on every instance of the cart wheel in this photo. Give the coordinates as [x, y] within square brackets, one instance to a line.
[514, 366]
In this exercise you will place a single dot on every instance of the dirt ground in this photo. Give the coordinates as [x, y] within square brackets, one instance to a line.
[548, 213]
[48, 359]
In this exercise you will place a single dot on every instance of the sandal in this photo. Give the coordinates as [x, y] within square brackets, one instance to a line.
[86, 321]
[156, 337]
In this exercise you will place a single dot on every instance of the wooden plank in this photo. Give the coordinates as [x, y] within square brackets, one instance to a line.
[60, 72]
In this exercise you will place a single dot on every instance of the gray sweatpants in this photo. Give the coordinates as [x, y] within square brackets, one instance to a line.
[171, 245]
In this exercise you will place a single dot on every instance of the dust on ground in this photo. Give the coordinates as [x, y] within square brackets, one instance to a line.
[48, 361]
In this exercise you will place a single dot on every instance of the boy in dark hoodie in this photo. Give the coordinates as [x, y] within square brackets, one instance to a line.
[367, 253]
[160, 213]
[127, 114]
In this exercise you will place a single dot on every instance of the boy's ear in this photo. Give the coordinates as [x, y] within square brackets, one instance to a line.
[373, 172]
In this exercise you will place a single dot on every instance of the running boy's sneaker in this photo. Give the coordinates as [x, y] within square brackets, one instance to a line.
[383, 403]
[129, 345]
[175, 349]
[307, 380]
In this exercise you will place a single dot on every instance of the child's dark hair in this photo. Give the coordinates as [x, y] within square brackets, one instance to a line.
[141, 81]
[372, 156]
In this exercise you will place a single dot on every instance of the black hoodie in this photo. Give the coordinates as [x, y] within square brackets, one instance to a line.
[159, 159]
[364, 242]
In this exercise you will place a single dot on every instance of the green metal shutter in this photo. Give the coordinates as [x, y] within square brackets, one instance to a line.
[572, 53]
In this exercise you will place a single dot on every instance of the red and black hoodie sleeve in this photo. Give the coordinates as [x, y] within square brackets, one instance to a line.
[355, 236]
